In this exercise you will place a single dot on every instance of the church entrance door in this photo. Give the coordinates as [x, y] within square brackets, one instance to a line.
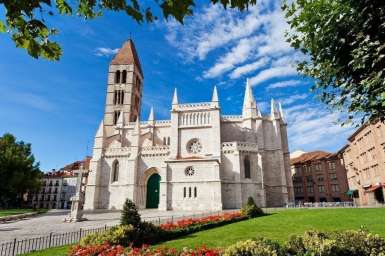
[153, 185]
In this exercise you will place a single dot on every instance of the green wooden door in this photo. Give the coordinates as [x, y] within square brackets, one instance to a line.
[153, 191]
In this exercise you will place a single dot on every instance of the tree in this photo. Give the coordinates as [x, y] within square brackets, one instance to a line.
[251, 209]
[25, 21]
[19, 173]
[130, 215]
[344, 44]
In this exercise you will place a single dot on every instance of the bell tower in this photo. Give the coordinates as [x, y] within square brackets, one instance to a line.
[124, 90]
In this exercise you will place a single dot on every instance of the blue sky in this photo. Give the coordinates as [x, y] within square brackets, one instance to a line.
[57, 106]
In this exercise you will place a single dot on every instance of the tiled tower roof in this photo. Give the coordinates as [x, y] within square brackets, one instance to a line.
[127, 55]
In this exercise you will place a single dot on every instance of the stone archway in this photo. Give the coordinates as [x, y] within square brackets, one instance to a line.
[152, 191]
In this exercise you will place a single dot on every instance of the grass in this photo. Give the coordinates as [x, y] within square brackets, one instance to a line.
[9, 212]
[278, 226]
[57, 251]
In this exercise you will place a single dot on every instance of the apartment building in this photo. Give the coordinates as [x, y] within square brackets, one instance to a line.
[364, 160]
[58, 186]
[319, 176]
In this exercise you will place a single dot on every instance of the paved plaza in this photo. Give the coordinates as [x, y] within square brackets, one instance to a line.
[53, 221]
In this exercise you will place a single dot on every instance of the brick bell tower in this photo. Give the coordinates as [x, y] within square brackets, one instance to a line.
[124, 90]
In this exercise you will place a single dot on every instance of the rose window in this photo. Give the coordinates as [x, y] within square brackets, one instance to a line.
[194, 146]
[189, 171]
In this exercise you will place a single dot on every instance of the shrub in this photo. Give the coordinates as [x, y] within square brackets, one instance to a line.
[256, 247]
[342, 243]
[251, 209]
[130, 215]
[122, 235]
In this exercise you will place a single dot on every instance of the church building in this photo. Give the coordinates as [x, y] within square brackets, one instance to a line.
[199, 159]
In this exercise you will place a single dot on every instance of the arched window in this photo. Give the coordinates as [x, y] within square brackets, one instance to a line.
[115, 171]
[246, 163]
[124, 76]
[117, 77]
[116, 116]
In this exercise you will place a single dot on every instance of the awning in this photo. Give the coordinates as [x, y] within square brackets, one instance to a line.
[375, 187]
[350, 192]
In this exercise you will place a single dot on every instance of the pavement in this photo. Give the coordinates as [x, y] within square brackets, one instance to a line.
[53, 221]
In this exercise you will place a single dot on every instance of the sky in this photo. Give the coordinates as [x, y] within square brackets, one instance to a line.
[57, 105]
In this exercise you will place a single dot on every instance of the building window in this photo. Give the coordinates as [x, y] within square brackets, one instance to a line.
[310, 189]
[320, 178]
[195, 192]
[333, 176]
[189, 192]
[246, 165]
[124, 76]
[335, 188]
[118, 97]
[117, 77]
[321, 188]
[189, 171]
[194, 146]
[184, 192]
[116, 116]
[164, 141]
[115, 171]
[168, 141]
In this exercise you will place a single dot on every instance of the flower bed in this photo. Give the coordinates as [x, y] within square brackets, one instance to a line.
[186, 223]
[117, 250]
[341, 243]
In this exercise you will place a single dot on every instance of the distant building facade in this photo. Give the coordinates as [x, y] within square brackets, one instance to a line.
[58, 187]
[319, 177]
[364, 160]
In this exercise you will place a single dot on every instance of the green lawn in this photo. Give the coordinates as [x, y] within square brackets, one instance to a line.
[8, 212]
[277, 226]
[57, 251]
[280, 225]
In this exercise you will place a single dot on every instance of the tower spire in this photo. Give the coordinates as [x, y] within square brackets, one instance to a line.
[215, 95]
[249, 104]
[151, 115]
[273, 109]
[127, 55]
[281, 114]
[175, 98]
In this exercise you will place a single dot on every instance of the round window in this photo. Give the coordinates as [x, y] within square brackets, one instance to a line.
[194, 146]
[189, 171]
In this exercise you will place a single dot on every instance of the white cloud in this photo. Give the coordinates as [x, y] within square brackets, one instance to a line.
[242, 70]
[284, 84]
[311, 126]
[293, 98]
[106, 52]
[237, 55]
[273, 72]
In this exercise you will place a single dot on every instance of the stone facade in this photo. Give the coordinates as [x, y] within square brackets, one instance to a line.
[364, 160]
[319, 177]
[199, 159]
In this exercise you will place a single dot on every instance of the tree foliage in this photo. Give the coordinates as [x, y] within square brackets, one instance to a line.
[25, 20]
[130, 215]
[19, 173]
[344, 44]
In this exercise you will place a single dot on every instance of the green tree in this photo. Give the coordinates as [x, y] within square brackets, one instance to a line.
[19, 173]
[344, 44]
[251, 209]
[26, 22]
[130, 215]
